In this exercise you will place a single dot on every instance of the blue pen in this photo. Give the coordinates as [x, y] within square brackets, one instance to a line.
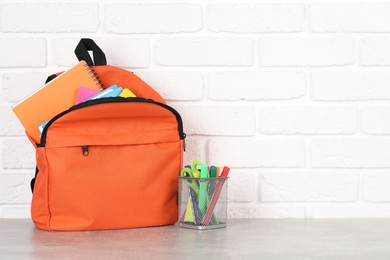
[112, 91]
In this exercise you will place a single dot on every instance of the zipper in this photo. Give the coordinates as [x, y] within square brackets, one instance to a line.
[85, 150]
[182, 135]
[184, 141]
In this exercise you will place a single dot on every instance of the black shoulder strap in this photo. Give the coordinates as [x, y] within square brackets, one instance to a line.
[85, 45]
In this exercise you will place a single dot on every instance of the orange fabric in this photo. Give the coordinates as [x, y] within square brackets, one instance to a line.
[128, 179]
[110, 75]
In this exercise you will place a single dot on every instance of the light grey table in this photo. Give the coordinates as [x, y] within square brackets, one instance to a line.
[243, 239]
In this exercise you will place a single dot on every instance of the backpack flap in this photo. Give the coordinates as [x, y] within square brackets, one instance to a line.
[113, 121]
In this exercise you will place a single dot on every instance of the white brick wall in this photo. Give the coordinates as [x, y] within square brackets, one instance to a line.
[350, 85]
[204, 51]
[218, 120]
[256, 85]
[49, 17]
[306, 51]
[18, 153]
[350, 153]
[346, 17]
[16, 86]
[308, 120]
[126, 52]
[298, 187]
[375, 187]
[22, 52]
[247, 18]
[243, 153]
[376, 120]
[375, 51]
[293, 95]
[14, 188]
[184, 85]
[153, 18]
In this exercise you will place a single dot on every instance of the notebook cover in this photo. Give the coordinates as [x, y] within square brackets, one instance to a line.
[85, 93]
[53, 98]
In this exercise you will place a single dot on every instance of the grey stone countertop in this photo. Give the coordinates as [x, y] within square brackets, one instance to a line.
[242, 239]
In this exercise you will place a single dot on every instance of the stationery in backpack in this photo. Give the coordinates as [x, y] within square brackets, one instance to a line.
[112, 91]
[54, 97]
[85, 93]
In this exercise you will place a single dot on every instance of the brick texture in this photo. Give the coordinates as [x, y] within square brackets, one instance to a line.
[306, 51]
[22, 52]
[376, 120]
[350, 17]
[153, 18]
[257, 152]
[375, 187]
[293, 96]
[218, 120]
[241, 187]
[15, 188]
[308, 187]
[49, 17]
[375, 51]
[16, 86]
[351, 153]
[204, 51]
[350, 85]
[10, 125]
[18, 153]
[256, 85]
[184, 85]
[308, 120]
[123, 52]
[249, 18]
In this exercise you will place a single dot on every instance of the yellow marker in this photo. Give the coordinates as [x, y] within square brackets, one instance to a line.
[127, 93]
[189, 216]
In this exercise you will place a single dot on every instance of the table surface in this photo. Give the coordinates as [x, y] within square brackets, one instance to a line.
[242, 239]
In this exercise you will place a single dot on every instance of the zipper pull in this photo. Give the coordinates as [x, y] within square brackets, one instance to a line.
[85, 150]
[184, 141]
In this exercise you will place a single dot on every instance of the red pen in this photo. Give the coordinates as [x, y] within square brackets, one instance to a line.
[214, 199]
[225, 171]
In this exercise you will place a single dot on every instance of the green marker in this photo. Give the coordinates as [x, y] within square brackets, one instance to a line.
[203, 189]
[213, 171]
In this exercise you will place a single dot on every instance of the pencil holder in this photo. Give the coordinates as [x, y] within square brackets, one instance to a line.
[203, 202]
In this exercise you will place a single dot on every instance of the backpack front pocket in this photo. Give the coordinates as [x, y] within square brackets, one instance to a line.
[113, 186]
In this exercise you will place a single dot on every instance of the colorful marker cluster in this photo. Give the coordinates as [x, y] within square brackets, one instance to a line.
[204, 184]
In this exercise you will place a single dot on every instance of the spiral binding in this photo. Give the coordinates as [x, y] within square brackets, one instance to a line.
[94, 76]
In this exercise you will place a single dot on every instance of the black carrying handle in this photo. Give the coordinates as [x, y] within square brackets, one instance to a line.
[85, 45]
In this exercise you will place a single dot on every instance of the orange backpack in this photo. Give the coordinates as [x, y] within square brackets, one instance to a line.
[109, 163]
